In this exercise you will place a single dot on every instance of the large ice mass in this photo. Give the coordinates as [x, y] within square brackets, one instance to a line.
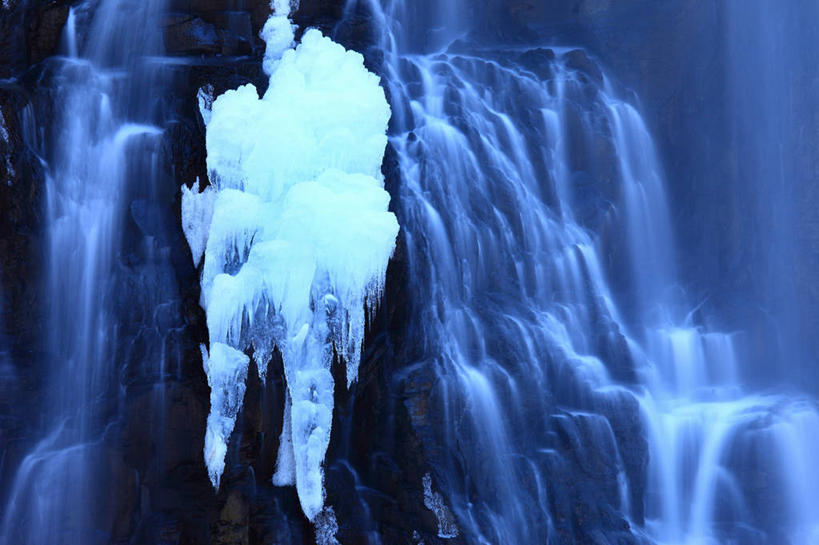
[296, 235]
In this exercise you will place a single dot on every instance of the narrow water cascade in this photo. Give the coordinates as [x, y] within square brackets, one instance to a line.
[99, 144]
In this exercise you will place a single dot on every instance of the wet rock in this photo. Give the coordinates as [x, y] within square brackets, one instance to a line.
[12, 41]
[232, 526]
[228, 33]
[186, 34]
[539, 61]
[45, 30]
[325, 15]
[578, 59]
[21, 192]
[237, 30]
[623, 414]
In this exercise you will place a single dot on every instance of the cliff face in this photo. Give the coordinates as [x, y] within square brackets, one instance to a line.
[28, 34]
[152, 484]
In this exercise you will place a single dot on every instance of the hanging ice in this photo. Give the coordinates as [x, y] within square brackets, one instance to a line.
[197, 210]
[297, 237]
[226, 368]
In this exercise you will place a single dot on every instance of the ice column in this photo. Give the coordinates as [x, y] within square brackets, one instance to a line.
[296, 235]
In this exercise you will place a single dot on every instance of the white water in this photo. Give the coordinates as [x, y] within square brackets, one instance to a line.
[516, 297]
[512, 285]
[100, 131]
[701, 422]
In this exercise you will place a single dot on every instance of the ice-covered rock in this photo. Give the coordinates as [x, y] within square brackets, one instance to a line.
[278, 33]
[204, 97]
[4, 133]
[326, 527]
[297, 236]
[435, 503]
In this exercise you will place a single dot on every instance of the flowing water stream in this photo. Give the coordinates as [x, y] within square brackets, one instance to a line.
[533, 284]
[100, 140]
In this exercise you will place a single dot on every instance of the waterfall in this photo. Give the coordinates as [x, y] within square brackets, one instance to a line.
[100, 144]
[533, 357]
[769, 47]
[547, 306]
[515, 316]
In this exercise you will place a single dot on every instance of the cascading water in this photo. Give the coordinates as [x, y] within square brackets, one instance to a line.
[519, 317]
[103, 112]
[707, 435]
[769, 47]
[563, 386]
[511, 251]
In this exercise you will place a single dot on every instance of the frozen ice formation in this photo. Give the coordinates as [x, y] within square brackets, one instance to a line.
[197, 210]
[205, 99]
[278, 33]
[326, 527]
[226, 369]
[435, 503]
[296, 236]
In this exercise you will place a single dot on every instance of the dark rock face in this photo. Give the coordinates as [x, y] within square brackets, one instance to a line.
[29, 32]
[155, 488]
[185, 35]
[231, 35]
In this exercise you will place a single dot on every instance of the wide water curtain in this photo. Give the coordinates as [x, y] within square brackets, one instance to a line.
[296, 237]
[556, 333]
